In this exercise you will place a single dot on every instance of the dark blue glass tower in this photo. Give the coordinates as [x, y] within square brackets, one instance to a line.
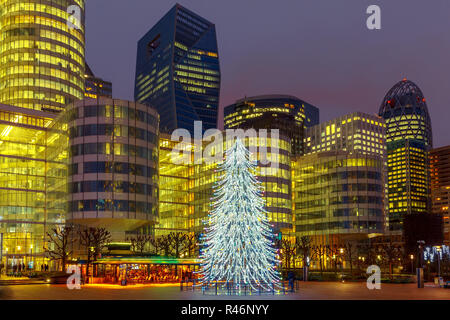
[177, 70]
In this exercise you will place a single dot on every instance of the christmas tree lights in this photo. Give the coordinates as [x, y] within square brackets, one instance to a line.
[238, 248]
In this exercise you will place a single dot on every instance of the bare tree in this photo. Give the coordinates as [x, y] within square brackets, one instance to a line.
[303, 246]
[155, 244]
[93, 239]
[288, 252]
[303, 249]
[191, 241]
[61, 240]
[177, 242]
[319, 253]
[349, 254]
[139, 242]
[389, 253]
[164, 243]
[334, 253]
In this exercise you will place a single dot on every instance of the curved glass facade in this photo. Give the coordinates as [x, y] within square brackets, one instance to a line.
[338, 194]
[41, 58]
[113, 178]
[275, 177]
[405, 110]
[409, 139]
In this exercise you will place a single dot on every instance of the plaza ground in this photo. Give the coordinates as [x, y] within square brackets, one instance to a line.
[307, 291]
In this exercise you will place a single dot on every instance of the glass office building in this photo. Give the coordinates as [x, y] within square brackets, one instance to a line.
[355, 132]
[338, 196]
[176, 184]
[113, 161]
[186, 188]
[95, 87]
[287, 113]
[41, 58]
[409, 139]
[440, 186]
[177, 70]
[273, 156]
[33, 158]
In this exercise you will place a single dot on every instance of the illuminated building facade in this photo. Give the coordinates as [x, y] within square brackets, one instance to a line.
[409, 139]
[339, 196]
[41, 58]
[440, 185]
[33, 165]
[113, 166]
[186, 188]
[178, 72]
[273, 156]
[95, 87]
[287, 113]
[176, 183]
[355, 132]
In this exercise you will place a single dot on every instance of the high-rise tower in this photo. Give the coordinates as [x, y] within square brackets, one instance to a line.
[41, 57]
[178, 72]
[409, 139]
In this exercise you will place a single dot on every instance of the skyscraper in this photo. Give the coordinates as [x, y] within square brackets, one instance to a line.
[96, 87]
[339, 186]
[354, 132]
[440, 186]
[177, 70]
[409, 139]
[41, 58]
[286, 113]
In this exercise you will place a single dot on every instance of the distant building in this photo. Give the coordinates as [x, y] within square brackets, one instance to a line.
[355, 132]
[339, 186]
[96, 87]
[287, 113]
[440, 185]
[176, 183]
[339, 196]
[177, 70]
[409, 139]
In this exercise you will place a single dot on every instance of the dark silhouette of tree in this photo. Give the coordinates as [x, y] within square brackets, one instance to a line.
[319, 253]
[191, 244]
[288, 249]
[155, 244]
[334, 252]
[350, 252]
[389, 253]
[303, 248]
[61, 240]
[93, 239]
[164, 243]
[139, 242]
[177, 243]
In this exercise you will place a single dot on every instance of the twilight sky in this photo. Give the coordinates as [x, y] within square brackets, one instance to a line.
[318, 50]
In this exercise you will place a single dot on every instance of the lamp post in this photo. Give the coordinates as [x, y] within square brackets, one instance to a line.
[31, 257]
[412, 263]
[438, 250]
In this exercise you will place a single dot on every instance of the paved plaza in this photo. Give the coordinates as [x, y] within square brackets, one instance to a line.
[307, 291]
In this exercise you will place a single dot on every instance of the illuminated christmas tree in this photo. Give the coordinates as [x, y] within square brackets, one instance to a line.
[238, 246]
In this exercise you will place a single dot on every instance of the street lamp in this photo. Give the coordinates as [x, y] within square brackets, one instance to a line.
[412, 263]
[31, 257]
[438, 249]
